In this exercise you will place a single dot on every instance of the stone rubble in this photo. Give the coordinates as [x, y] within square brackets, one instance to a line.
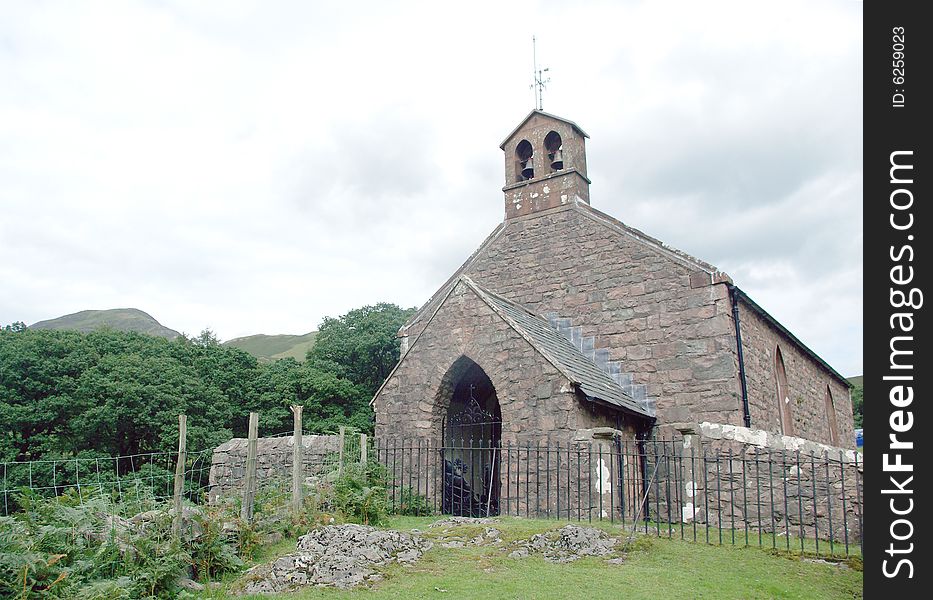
[340, 556]
[490, 535]
[457, 521]
[567, 544]
[345, 556]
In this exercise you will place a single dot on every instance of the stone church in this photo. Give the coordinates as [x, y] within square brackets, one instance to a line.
[567, 320]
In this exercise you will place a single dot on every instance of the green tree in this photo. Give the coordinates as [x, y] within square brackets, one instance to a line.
[14, 327]
[857, 393]
[63, 393]
[329, 400]
[39, 373]
[362, 345]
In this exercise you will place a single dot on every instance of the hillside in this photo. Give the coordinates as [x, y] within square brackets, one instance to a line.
[120, 319]
[272, 347]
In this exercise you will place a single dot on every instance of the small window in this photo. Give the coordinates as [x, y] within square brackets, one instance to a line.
[831, 418]
[783, 394]
[555, 150]
[525, 168]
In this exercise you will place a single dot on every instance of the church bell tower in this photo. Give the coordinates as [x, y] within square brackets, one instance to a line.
[545, 165]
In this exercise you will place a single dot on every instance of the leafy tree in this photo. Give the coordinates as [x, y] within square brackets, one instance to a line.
[206, 338]
[39, 373]
[65, 394]
[857, 393]
[329, 400]
[14, 327]
[361, 345]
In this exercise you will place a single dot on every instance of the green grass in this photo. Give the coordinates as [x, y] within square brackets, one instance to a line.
[767, 541]
[272, 347]
[654, 568]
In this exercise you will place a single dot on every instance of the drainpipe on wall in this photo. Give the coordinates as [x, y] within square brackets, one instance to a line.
[734, 296]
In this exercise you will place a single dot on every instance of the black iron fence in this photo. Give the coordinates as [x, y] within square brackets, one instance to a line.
[721, 494]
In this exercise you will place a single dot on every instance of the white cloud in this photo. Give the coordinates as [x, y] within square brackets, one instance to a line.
[255, 166]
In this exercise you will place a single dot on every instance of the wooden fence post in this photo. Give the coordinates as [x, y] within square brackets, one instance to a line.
[297, 455]
[180, 471]
[340, 456]
[363, 449]
[249, 489]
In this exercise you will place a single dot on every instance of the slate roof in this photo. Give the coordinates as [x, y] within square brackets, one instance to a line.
[595, 383]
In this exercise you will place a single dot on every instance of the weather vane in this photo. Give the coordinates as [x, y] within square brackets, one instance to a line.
[538, 75]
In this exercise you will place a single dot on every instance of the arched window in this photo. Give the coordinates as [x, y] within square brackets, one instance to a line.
[525, 168]
[831, 418]
[554, 147]
[783, 394]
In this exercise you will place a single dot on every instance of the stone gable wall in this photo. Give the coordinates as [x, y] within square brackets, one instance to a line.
[665, 322]
[538, 408]
[536, 401]
[806, 379]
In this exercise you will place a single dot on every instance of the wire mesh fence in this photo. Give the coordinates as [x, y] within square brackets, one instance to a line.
[135, 477]
[208, 476]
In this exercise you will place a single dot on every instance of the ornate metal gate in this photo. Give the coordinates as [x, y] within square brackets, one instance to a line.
[471, 451]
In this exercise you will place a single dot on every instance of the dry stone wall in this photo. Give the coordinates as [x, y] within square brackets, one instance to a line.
[273, 462]
[737, 478]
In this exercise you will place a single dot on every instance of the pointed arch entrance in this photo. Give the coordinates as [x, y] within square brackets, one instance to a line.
[471, 434]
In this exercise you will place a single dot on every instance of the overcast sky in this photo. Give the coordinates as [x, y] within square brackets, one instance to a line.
[252, 167]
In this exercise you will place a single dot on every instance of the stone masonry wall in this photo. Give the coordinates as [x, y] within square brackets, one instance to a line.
[667, 322]
[273, 462]
[807, 381]
[739, 478]
[538, 406]
[536, 401]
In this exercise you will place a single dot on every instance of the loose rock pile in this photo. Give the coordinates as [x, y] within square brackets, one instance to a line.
[337, 555]
[567, 544]
[457, 521]
[451, 538]
[345, 556]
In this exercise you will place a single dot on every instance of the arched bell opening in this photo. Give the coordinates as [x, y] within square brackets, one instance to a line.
[555, 150]
[471, 432]
[525, 167]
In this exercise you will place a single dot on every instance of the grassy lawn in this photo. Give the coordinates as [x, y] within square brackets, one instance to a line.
[654, 568]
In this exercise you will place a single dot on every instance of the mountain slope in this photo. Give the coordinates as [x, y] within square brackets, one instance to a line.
[272, 347]
[121, 319]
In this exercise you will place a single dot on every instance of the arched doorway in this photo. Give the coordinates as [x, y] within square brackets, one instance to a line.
[471, 432]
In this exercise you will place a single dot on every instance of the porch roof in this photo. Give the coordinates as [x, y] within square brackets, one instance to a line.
[592, 381]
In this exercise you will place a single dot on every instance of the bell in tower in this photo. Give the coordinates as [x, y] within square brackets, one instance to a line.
[526, 158]
[555, 154]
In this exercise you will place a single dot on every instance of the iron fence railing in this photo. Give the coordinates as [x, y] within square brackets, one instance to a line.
[722, 495]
